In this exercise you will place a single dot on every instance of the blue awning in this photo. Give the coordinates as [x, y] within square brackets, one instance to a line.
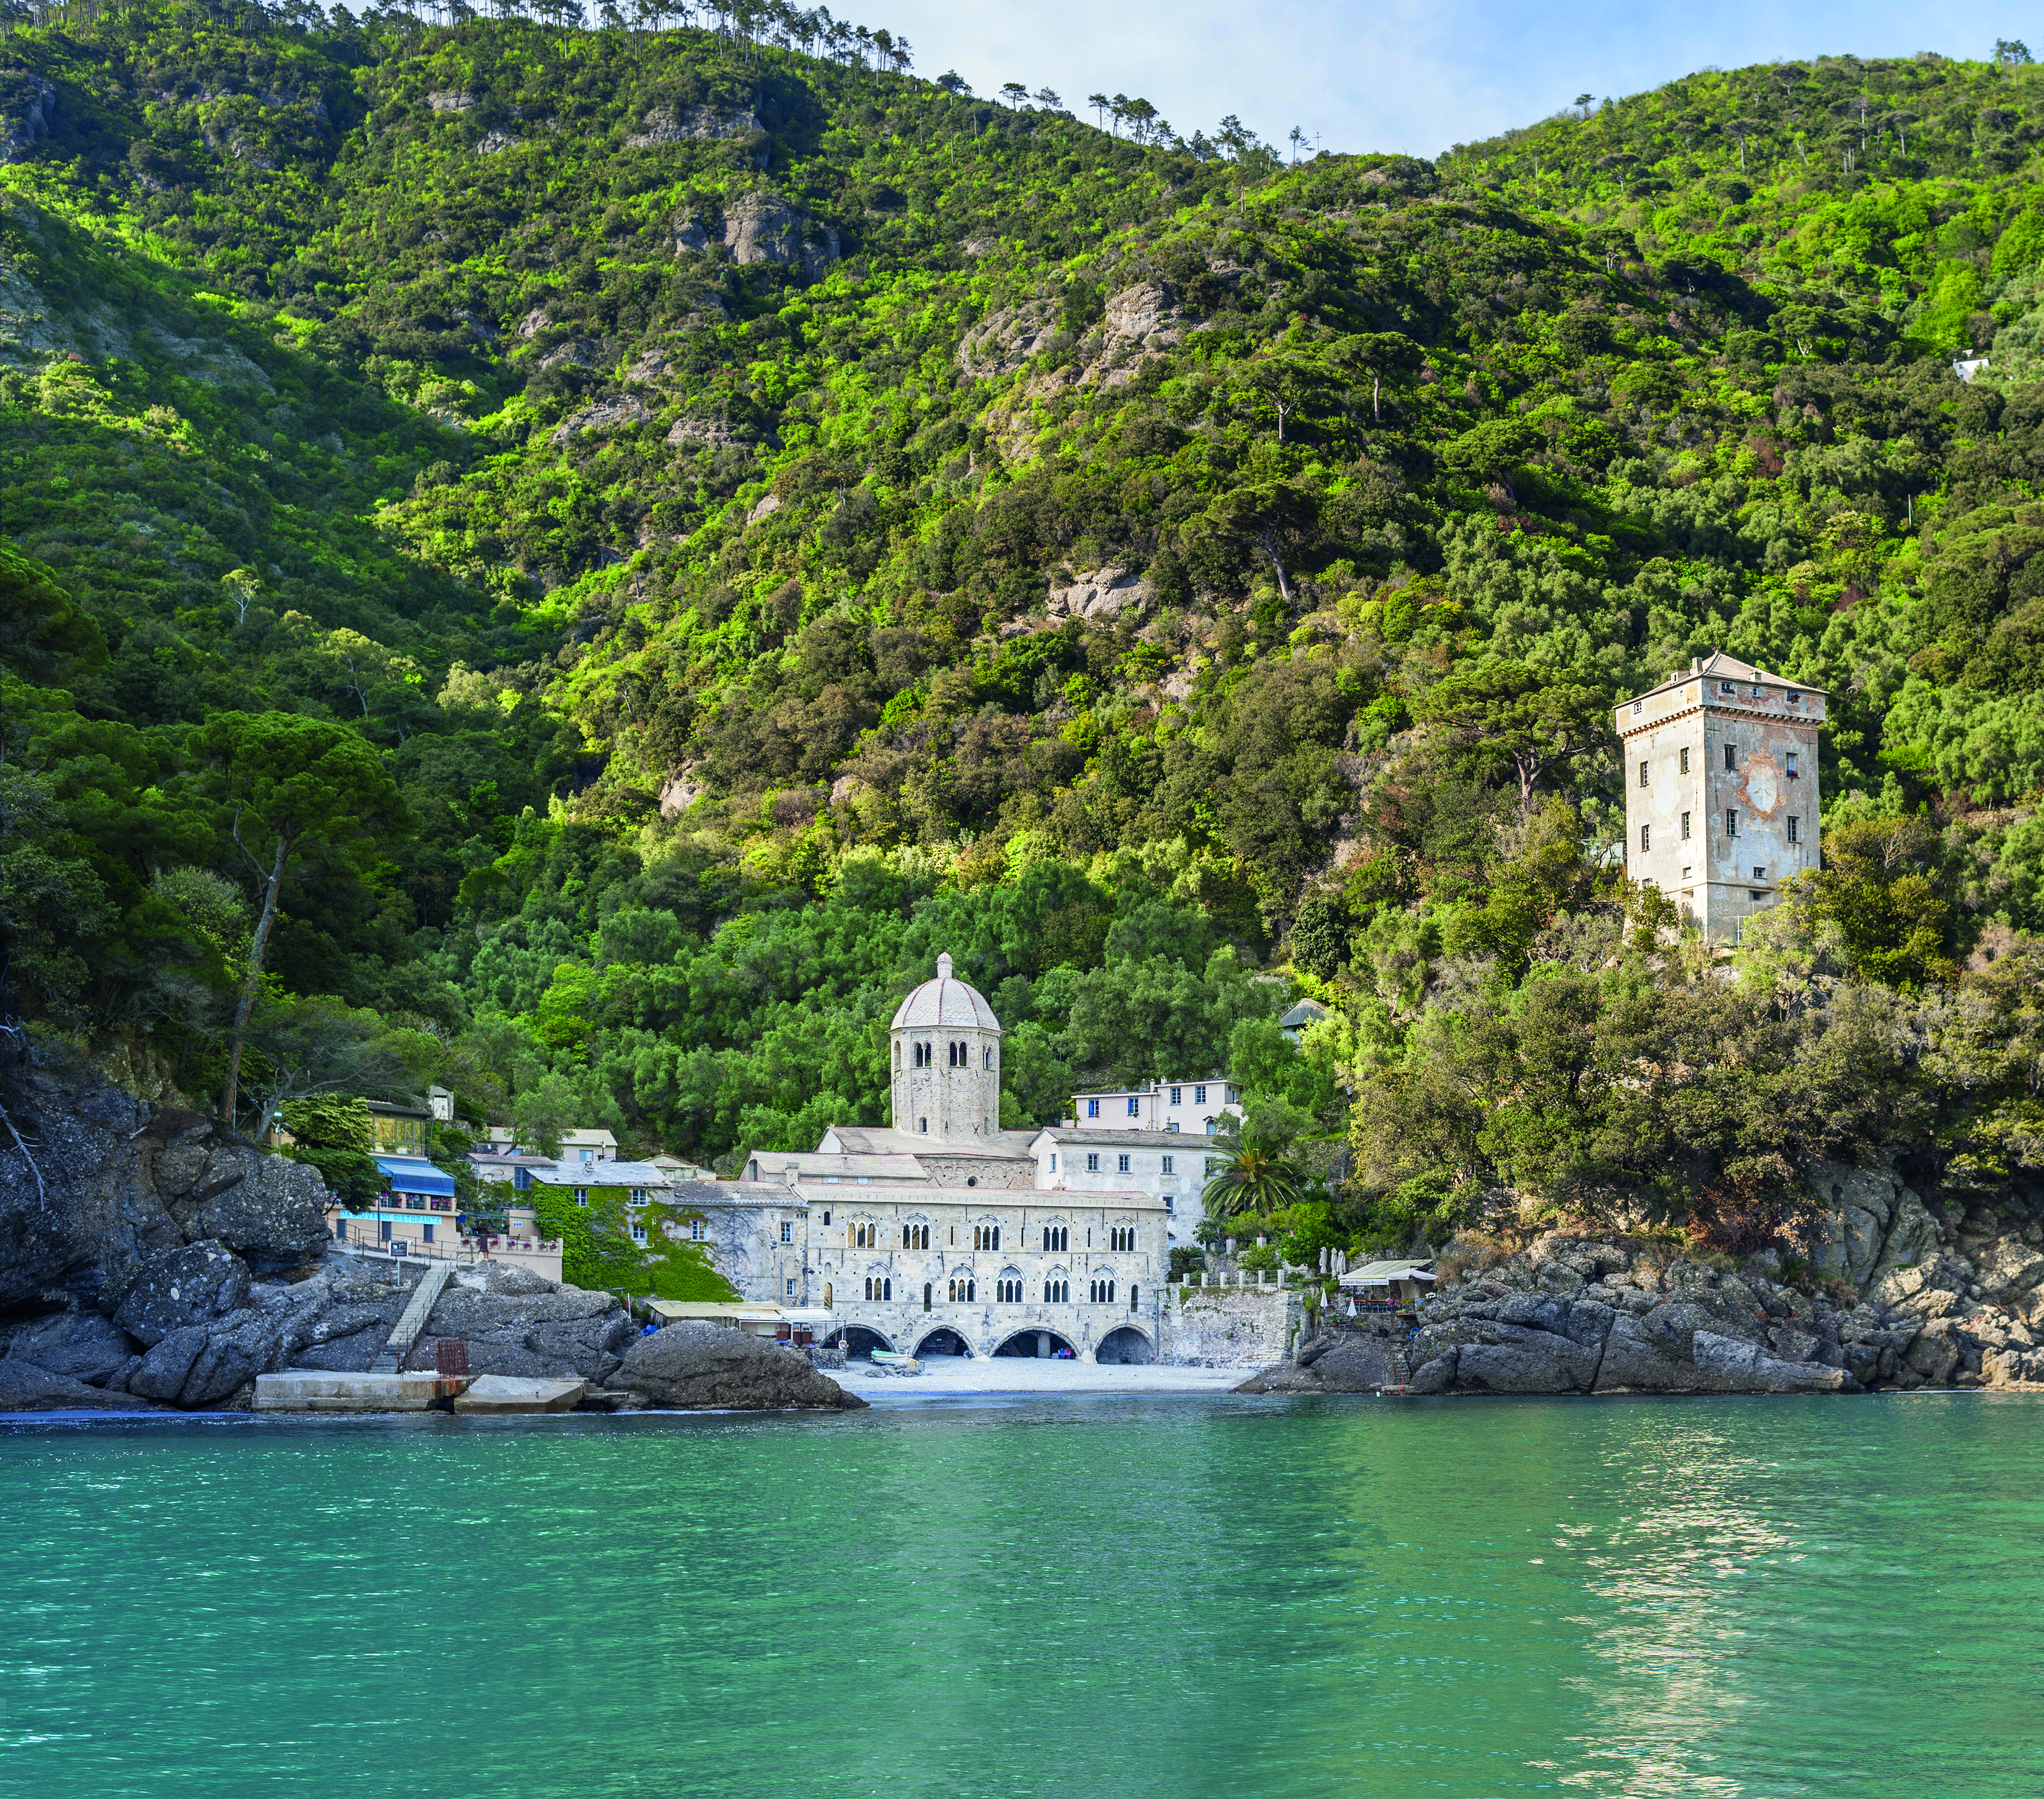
[413, 1174]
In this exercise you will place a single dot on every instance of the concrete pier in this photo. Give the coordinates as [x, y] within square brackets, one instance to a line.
[307, 1389]
[497, 1395]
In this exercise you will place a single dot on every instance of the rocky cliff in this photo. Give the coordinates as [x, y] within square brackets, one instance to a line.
[1896, 1294]
[146, 1260]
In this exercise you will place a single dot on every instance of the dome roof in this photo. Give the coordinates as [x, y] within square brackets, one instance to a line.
[939, 1004]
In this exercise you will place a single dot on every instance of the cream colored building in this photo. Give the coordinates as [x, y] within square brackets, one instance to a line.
[936, 1232]
[1721, 789]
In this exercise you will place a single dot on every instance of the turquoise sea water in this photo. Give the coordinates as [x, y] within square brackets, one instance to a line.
[1115, 1597]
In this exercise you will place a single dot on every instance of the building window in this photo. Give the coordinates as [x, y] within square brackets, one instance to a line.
[1092, 1161]
[787, 1230]
[1176, 1096]
[1171, 1129]
[428, 1229]
[695, 1228]
[1792, 696]
[1171, 1166]
[1053, 1162]
[582, 1196]
[638, 1231]
[1093, 1109]
[1199, 1096]
[1731, 756]
[1007, 1290]
[1057, 1238]
[340, 1230]
[1685, 759]
[1645, 837]
[1756, 893]
[1792, 837]
[1638, 706]
[1101, 1293]
[1792, 774]
[1213, 1164]
[638, 1196]
[1685, 874]
[788, 1287]
[1642, 773]
[915, 1236]
[923, 1125]
[986, 1236]
[1731, 823]
[989, 1061]
[1121, 1165]
[1685, 827]
[1760, 874]
[1122, 1238]
[1727, 686]
[1132, 1107]
[383, 1229]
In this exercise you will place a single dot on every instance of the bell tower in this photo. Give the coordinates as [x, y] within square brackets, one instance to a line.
[944, 1051]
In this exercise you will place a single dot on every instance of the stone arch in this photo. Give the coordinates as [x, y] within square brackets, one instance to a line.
[931, 1343]
[1125, 1344]
[858, 1340]
[1028, 1339]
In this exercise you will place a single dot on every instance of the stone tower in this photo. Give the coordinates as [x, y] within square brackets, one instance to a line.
[1721, 789]
[945, 1050]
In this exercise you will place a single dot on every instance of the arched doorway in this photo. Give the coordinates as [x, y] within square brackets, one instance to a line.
[859, 1343]
[943, 1342]
[1126, 1346]
[1036, 1342]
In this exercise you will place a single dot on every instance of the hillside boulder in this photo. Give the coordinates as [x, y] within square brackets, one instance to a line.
[191, 1286]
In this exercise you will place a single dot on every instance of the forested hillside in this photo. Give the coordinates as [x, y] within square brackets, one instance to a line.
[571, 562]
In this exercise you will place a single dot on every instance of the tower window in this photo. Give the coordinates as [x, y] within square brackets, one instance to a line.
[1792, 696]
[1794, 773]
[1731, 756]
[1731, 823]
[1792, 837]
[922, 1124]
[1642, 773]
[1645, 837]
[1685, 759]
[1685, 827]
[989, 1055]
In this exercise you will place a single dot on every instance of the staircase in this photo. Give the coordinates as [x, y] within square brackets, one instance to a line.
[412, 1320]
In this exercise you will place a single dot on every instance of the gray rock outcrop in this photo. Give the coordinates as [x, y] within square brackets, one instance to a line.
[114, 1181]
[713, 1367]
[763, 228]
[183, 1287]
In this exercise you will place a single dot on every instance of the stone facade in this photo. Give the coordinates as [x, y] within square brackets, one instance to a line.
[1230, 1327]
[1171, 1167]
[1721, 790]
[938, 1229]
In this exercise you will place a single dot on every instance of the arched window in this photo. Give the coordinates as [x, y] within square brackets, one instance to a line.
[989, 1055]
[827, 1296]
[1133, 1290]
[928, 1291]
[897, 1056]
[1110, 1292]
[888, 1291]
[869, 1287]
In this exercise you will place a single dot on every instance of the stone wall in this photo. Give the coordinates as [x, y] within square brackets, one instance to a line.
[1229, 1327]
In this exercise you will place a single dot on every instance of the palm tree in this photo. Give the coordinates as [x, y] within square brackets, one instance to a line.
[1252, 1178]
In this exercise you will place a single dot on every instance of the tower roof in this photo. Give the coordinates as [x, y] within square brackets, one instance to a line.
[945, 1002]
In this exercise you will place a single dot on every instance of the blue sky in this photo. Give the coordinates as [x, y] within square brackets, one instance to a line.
[1416, 75]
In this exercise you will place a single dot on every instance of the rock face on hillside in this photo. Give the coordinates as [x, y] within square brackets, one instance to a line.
[705, 1366]
[108, 1182]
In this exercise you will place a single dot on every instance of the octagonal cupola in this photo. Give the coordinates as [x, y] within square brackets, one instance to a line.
[945, 1078]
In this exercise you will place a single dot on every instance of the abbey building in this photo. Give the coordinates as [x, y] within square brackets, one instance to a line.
[942, 1232]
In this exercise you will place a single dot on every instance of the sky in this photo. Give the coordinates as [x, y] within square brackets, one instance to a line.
[1415, 75]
